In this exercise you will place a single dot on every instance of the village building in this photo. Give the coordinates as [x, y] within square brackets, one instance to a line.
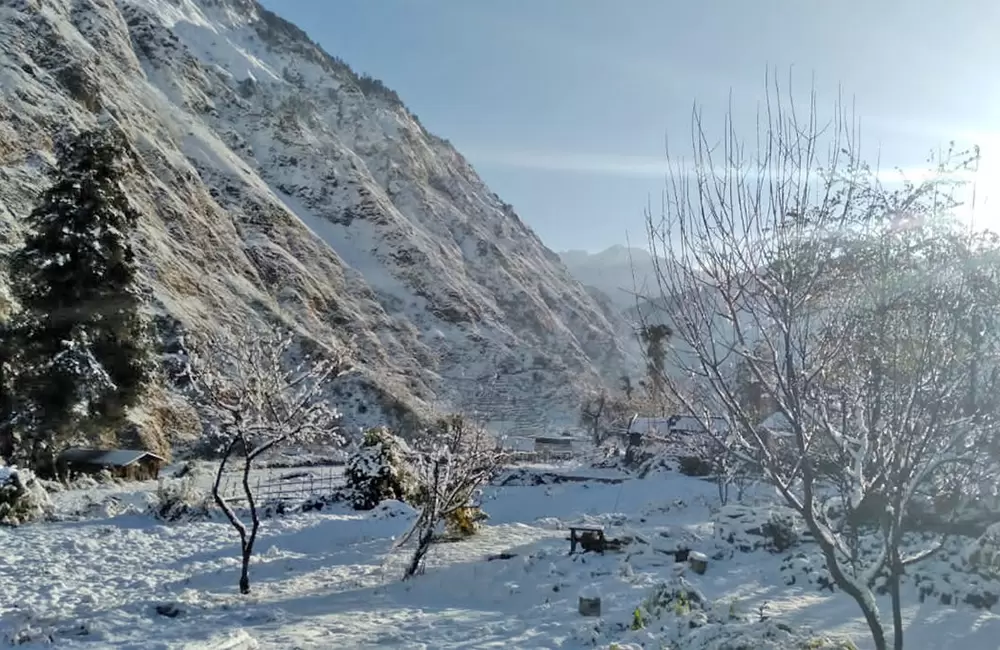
[549, 447]
[128, 464]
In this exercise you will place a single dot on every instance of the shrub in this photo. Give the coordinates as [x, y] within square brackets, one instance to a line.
[780, 533]
[23, 499]
[179, 499]
[694, 466]
[677, 615]
[464, 522]
[378, 470]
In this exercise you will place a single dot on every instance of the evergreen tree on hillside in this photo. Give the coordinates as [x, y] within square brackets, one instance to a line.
[6, 354]
[655, 337]
[82, 343]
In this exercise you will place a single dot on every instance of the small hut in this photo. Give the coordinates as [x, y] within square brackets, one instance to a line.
[128, 464]
[553, 447]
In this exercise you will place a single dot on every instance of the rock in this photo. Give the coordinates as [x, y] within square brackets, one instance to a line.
[589, 606]
[985, 600]
[170, 610]
[501, 556]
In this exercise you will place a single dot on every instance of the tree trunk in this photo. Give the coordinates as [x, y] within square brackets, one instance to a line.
[429, 517]
[248, 541]
[866, 601]
[423, 546]
[874, 625]
[895, 571]
[245, 569]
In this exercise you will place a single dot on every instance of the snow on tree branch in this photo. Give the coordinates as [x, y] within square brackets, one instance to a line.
[451, 467]
[259, 391]
[844, 353]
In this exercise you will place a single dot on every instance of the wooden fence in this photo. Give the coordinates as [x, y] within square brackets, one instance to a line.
[284, 486]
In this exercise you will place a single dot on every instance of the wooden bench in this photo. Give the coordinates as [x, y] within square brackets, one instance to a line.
[590, 538]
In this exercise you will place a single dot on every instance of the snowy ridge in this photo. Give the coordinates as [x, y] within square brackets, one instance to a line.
[275, 180]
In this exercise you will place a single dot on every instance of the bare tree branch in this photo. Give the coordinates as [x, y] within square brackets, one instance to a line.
[257, 398]
[786, 267]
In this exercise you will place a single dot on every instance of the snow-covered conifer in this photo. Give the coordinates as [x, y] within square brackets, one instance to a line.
[80, 340]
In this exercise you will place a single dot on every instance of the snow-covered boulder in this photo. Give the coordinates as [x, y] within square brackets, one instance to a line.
[23, 498]
[391, 509]
[806, 568]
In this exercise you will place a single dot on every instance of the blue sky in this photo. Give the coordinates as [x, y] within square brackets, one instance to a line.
[562, 106]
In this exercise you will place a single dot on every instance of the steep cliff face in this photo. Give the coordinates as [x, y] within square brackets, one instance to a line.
[275, 180]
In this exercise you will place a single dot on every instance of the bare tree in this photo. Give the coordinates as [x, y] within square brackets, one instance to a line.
[450, 470]
[602, 412]
[794, 264]
[593, 415]
[258, 397]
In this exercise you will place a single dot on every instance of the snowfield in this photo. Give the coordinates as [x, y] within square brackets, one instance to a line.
[118, 578]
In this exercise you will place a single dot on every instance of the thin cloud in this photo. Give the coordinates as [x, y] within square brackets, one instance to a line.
[583, 163]
[635, 166]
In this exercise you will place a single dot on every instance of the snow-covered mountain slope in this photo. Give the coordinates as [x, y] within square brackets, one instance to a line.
[274, 179]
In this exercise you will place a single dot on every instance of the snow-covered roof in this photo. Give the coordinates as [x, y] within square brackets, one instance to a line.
[776, 422]
[518, 443]
[105, 457]
[682, 423]
[693, 423]
[557, 442]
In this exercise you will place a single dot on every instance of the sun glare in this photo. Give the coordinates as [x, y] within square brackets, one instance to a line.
[984, 210]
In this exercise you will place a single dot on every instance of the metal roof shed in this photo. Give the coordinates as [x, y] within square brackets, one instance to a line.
[134, 464]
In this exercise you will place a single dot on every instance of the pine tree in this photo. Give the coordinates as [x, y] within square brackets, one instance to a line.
[83, 344]
[6, 354]
[655, 337]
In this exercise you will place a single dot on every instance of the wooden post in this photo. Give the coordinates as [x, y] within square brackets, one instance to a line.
[698, 562]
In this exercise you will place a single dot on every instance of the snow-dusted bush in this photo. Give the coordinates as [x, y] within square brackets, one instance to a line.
[949, 576]
[694, 466]
[984, 553]
[656, 464]
[23, 498]
[379, 470]
[180, 499]
[675, 614]
[961, 573]
[450, 474]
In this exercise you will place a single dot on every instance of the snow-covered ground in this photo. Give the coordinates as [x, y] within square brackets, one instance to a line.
[330, 578]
